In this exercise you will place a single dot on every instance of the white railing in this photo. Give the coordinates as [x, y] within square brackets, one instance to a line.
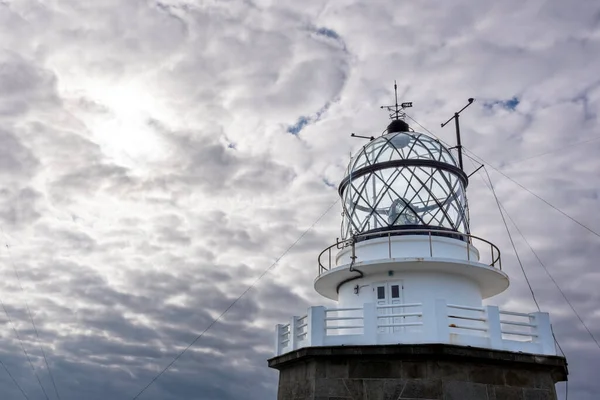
[489, 255]
[432, 322]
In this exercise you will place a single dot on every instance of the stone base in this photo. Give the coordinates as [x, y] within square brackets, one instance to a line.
[426, 371]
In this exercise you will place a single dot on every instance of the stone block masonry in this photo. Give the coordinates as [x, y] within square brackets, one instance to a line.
[427, 371]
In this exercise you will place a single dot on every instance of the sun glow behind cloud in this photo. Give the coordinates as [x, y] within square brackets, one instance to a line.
[122, 126]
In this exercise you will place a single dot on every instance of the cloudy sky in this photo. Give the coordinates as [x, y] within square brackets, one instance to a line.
[156, 157]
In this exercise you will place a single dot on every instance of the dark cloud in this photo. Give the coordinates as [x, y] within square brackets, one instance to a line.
[19, 207]
[24, 85]
[18, 161]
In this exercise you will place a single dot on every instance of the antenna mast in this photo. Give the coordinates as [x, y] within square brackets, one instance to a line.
[458, 143]
[397, 110]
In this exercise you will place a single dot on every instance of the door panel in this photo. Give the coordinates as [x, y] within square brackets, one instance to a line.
[394, 290]
[388, 293]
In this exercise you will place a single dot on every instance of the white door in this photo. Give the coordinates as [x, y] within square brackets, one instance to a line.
[387, 294]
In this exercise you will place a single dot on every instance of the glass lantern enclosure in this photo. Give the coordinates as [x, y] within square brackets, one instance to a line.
[403, 180]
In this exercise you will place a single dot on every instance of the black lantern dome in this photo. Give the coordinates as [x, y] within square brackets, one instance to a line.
[403, 180]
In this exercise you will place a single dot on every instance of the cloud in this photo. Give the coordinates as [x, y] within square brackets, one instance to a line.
[157, 157]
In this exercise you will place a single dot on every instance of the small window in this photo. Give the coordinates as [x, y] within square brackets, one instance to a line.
[395, 291]
[380, 292]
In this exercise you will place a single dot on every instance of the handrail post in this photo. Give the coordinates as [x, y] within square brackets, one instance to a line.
[468, 252]
[278, 344]
[441, 318]
[389, 245]
[430, 245]
[330, 257]
[370, 322]
[293, 333]
[494, 327]
[435, 321]
[316, 326]
[543, 329]
[353, 256]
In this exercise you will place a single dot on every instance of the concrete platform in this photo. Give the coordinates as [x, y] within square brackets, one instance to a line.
[426, 371]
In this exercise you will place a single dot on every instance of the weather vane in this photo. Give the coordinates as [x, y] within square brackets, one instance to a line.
[397, 110]
[396, 113]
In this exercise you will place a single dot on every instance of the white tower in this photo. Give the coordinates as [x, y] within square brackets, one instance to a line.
[407, 270]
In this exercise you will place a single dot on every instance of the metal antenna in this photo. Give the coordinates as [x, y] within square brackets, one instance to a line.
[458, 144]
[397, 111]
[363, 137]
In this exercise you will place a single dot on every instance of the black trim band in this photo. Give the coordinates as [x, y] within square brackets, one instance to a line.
[405, 163]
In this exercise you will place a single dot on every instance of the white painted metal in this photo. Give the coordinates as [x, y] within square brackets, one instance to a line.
[489, 281]
[415, 246]
[431, 264]
[435, 322]
[415, 288]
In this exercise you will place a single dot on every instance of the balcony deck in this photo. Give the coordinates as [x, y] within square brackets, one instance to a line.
[418, 323]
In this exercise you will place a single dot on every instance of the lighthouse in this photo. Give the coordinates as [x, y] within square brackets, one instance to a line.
[409, 278]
